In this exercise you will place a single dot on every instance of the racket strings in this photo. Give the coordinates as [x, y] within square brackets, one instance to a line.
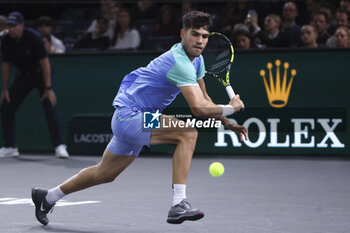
[217, 54]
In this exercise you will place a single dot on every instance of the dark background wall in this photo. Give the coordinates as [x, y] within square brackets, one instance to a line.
[87, 84]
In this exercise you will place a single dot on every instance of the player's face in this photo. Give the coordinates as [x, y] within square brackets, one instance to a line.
[15, 31]
[194, 41]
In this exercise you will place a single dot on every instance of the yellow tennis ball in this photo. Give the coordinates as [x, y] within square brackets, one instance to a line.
[216, 169]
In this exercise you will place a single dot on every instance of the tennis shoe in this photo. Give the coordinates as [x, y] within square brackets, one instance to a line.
[42, 207]
[61, 152]
[8, 152]
[182, 212]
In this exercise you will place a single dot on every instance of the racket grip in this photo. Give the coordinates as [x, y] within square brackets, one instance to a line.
[230, 92]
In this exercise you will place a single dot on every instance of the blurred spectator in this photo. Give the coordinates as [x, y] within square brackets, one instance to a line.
[309, 36]
[47, 43]
[271, 36]
[290, 13]
[125, 36]
[305, 15]
[312, 6]
[99, 38]
[109, 10]
[243, 39]
[240, 26]
[345, 4]
[166, 25]
[329, 9]
[320, 21]
[45, 25]
[234, 13]
[113, 15]
[187, 6]
[342, 37]
[342, 18]
[145, 10]
[3, 28]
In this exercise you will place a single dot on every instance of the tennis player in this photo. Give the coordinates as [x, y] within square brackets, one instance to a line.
[181, 69]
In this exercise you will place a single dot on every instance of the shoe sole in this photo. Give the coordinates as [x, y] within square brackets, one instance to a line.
[37, 205]
[181, 219]
[9, 155]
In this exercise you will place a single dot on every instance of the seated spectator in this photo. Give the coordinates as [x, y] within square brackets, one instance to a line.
[345, 4]
[3, 25]
[166, 25]
[146, 9]
[3, 28]
[45, 25]
[125, 36]
[47, 43]
[109, 10]
[309, 36]
[271, 36]
[342, 37]
[289, 26]
[243, 39]
[320, 21]
[240, 26]
[187, 6]
[99, 38]
[233, 13]
[329, 9]
[342, 19]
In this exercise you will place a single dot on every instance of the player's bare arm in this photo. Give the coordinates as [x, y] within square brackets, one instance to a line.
[239, 129]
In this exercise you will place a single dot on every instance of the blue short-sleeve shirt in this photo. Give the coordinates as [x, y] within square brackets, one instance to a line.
[157, 85]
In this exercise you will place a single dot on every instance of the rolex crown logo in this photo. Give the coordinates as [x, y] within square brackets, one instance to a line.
[278, 93]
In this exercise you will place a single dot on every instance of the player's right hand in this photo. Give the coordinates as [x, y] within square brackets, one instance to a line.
[237, 103]
[5, 95]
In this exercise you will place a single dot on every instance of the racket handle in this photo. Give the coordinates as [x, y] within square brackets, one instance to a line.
[230, 92]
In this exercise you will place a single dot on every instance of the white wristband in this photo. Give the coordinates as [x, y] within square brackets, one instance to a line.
[227, 110]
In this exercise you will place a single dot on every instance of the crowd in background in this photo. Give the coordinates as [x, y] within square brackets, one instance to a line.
[149, 25]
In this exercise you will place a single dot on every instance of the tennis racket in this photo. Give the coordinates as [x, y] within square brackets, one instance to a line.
[218, 57]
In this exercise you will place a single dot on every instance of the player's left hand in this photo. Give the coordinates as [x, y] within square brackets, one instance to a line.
[49, 94]
[238, 129]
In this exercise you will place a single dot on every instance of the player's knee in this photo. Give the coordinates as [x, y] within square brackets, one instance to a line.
[189, 136]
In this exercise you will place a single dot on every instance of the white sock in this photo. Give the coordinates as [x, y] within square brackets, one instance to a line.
[54, 195]
[179, 193]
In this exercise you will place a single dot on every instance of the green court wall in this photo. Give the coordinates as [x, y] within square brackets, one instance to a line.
[318, 100]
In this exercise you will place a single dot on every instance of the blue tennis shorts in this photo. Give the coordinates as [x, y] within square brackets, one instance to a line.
[129, 134]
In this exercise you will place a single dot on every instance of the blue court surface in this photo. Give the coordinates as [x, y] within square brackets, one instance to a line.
[255, 195]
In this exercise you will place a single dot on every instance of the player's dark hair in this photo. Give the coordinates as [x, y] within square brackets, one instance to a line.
[196, 20]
